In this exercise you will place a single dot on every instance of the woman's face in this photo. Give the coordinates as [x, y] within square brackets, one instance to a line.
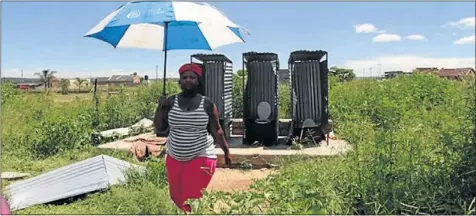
[188, 81]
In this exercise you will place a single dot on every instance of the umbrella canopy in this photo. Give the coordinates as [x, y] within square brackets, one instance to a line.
[167, 26]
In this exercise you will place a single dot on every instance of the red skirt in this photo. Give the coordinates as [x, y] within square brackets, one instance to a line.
[187, 179]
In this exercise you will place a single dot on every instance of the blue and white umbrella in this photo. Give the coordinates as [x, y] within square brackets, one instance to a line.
[167, 26]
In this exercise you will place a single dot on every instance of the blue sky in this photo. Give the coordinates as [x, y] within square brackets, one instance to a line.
[370, 36]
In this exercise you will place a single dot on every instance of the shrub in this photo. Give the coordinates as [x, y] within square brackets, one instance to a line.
[9, 92]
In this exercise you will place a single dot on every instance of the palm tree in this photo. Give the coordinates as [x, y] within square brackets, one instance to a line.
[46, 76]
[79, 82]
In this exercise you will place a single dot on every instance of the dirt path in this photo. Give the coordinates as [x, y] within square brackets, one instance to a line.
[231, 180]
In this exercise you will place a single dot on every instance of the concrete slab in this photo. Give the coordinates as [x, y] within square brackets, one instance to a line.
[257, 156]
[261, 156]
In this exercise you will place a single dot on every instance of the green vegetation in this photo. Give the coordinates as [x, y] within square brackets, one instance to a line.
[413, 139]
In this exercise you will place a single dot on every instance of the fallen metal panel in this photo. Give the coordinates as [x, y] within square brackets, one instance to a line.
[83, 177]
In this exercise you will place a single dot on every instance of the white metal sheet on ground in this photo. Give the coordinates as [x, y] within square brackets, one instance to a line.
[83, 177]
[143, 123]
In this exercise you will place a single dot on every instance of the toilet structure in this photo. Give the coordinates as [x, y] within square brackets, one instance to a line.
[260, 102]
[217, 84]
[309, 92]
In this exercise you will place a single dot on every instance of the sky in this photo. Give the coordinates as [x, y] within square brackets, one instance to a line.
[368, 37]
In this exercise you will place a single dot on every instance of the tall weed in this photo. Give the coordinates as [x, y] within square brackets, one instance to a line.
[413, 142]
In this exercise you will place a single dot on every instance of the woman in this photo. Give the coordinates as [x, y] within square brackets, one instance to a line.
[193, 127]
[4, 207]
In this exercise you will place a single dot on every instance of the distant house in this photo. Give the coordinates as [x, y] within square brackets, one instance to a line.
[283, 75]
[455, 73]
[55, 83]
[118, 80]
[393, 74]
[24, 83]
[16, 80]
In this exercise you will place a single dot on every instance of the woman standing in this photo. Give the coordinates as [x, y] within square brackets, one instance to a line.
[193, 127]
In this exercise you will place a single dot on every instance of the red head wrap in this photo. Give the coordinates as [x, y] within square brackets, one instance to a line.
[191, 67]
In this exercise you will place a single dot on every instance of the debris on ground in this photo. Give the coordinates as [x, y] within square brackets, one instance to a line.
[142, 148]
[14, 175]
[76, 179]
[127, 143]
[142, 124]
[139, 146]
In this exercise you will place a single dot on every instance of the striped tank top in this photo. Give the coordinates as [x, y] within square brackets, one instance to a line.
[188, 135]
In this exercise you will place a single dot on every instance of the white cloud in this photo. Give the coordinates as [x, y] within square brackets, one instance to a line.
[12, 71]
[415, 37]
[404, 63]
[464, 23]
[466, 40]
[365, 28]
[382, 38]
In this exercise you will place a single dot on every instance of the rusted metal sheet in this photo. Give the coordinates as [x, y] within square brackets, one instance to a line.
[309, 81]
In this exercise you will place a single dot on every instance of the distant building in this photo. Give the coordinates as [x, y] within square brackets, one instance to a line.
[24, 83]
[283, 75]
[455, 73]
[15, 80]
[426, 70]
[118, 80]
[393, 74]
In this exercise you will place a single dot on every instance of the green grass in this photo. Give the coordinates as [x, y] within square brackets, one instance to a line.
[413, 140]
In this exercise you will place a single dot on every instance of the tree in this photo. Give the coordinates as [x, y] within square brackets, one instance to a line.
[79, 82]
[238, 93]
[64, 84]
[342, 74]
[46, 76]
[241, 72]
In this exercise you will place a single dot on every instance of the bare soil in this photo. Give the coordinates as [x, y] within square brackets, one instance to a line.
[231, 180]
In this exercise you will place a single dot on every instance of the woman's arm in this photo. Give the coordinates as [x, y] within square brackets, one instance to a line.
[160, 118]
[216, 130]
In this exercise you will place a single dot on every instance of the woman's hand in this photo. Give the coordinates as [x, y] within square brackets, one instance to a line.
[227, 159]
[163, 101]
[160, 125]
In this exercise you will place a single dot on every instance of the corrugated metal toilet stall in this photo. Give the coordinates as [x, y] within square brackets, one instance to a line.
[260, 102]
[309, 92]
[218, 85]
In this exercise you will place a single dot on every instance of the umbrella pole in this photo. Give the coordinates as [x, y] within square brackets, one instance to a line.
[165, 57]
